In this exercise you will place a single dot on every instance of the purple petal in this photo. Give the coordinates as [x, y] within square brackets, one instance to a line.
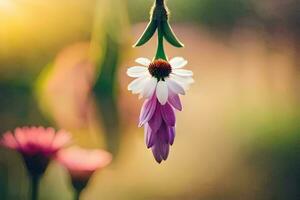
[147, 111]
[174, 100]
[156, 120]
[156, 153]
[149, 136]
[168, 114]
[163, 135]
[171, 135]
[165, 151]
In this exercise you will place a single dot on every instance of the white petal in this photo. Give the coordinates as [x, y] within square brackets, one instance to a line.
[175, 87]
[141, 88]
[177, 62]
[138, 84]
[149, 88]
[183, 81]
[162, 92]
[183, 72]
[143, 61]
[136, 71]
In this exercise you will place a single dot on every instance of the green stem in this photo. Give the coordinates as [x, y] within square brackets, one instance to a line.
[76, 195]
[160, 53]
[159, 2]
[34, 187]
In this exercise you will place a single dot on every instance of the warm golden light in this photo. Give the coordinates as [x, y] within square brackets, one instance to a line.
[7, 5]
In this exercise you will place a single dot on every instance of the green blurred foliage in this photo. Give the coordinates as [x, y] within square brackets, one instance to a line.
[18, 106]
[215, 13]
[274, 148]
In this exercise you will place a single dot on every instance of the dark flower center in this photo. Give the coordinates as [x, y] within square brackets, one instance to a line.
[160, 69]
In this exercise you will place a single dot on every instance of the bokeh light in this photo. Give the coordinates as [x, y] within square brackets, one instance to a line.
[63, 64]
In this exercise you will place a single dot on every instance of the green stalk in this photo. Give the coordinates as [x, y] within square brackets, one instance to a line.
[76, 195]
[159, 2]
[160, 53]
[34, 187]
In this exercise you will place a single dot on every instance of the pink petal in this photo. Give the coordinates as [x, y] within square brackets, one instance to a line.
[9, 141]
[61, 139]
[168, 114]
[147, 111]
[174, 100]
[156, 119]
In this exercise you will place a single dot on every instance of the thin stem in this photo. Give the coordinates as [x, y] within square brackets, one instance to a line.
[34, 187]
[159, 2]
[76, 195]
[160, 53]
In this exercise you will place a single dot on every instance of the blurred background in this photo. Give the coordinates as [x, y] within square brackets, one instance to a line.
[63, 64]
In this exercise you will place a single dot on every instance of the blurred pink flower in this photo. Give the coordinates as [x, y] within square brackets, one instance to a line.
[36, 140]
[37, 145]
[82, 163]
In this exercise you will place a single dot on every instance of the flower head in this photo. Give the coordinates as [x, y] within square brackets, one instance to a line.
[160, 69]
[36, 145]
[82, 163]
[160, 82]
[164, 78]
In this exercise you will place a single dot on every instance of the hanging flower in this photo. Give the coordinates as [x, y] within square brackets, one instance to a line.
[82, 163]
[37, 145]
[166, 79]
[160, 82]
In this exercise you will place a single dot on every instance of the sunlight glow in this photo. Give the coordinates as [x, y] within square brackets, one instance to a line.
[7, 6]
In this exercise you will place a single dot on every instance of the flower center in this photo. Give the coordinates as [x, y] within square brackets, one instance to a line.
[160, 69]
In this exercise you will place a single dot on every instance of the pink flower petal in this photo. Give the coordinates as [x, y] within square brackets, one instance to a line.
[147, 111]
[168, 114]
[82, 162]
[174, 100]
[9, 141]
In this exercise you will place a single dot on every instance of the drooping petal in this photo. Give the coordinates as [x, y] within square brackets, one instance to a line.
[174, 86]
[140, 88]
[165, 151]
[162, 92]
[164, 133]
[136, 71]
[183, 72]
[156, 120]
[183, 81]
[168, 114]
[137, 85]
[149, 136]
[171, 135]
[147, 110]
[149, 88]
[162, 141]
[143, 61]
[157, 153]
[174, 100]
[177, 62]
